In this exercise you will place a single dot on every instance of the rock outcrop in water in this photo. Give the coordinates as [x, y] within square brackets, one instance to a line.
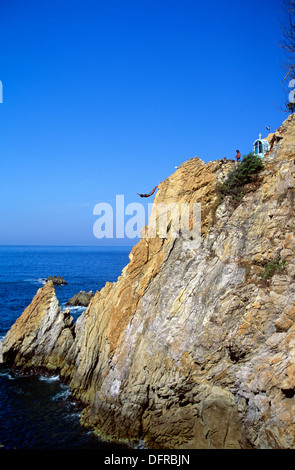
[81, 299]
[57, 280]
[192, 347]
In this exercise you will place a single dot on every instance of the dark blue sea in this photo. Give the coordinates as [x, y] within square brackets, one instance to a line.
[37, 412]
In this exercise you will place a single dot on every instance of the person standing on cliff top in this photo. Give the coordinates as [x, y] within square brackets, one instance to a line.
[238, 156]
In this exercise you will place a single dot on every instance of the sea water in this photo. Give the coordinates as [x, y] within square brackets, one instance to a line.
[37, 412]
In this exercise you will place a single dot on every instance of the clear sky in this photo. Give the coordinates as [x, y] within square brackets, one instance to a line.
[105, 97]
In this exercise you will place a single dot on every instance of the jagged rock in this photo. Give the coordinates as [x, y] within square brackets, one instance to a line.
[57, 280]
[41, 336]
[81, 299]
[191, 347]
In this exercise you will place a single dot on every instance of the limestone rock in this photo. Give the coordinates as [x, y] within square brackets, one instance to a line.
[41, 336]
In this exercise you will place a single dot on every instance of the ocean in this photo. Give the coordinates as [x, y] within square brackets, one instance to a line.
[37, 412]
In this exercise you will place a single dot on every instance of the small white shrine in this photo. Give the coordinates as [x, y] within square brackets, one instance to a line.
[260, 147]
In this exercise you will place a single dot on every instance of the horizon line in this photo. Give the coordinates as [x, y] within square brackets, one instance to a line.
[87, 246]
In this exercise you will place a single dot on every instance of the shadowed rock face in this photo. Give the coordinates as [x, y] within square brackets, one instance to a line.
[81, 299]
[192, 347]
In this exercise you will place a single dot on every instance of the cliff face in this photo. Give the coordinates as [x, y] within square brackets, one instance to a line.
[193, 346]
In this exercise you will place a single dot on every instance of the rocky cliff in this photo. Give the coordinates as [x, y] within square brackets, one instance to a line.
[193, 346]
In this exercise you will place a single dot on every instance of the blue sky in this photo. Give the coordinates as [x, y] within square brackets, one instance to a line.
[105, 97]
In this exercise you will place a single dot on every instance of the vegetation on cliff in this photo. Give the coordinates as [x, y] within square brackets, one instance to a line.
[244, 173]
[274, 266]
[288, 46]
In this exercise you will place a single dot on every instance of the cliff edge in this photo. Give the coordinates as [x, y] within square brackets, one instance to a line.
[193, 346]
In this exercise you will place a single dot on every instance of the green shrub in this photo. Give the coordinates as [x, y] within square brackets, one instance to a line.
[272, 267]
[243, 173]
